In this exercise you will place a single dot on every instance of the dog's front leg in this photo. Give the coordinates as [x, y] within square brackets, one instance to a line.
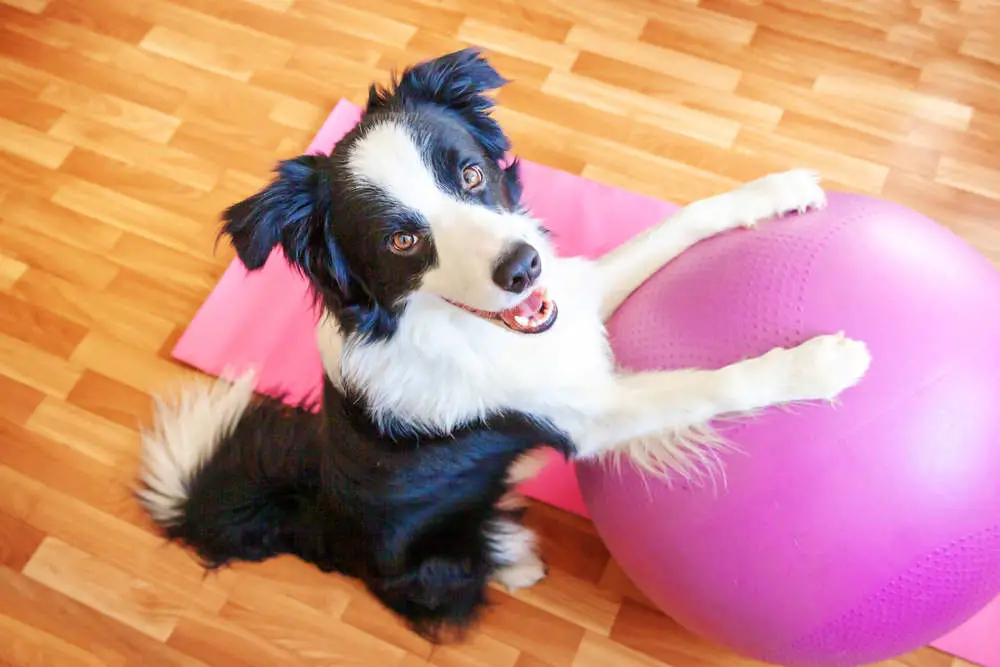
[624, 269]
[666, 407]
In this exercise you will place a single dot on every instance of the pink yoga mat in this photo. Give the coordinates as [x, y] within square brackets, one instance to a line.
[265, 320]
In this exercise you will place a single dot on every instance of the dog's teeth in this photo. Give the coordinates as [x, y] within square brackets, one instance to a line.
[523, 320]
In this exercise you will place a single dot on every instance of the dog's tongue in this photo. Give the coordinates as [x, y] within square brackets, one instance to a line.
[533, 315]
[529, 306]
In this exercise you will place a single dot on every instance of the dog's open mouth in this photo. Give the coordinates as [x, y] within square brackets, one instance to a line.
[535, 314]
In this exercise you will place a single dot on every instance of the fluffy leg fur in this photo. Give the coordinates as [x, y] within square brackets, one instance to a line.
[655, 417]
[624, 269]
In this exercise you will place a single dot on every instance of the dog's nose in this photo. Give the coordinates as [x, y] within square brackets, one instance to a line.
[518, 269]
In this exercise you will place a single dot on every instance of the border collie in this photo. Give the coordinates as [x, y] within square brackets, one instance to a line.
[455, 343]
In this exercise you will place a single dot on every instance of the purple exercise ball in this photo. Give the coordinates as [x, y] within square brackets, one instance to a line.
[839, 535]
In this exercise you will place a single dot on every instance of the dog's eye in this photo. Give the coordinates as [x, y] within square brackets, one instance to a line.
[404, 243]
[472, 176]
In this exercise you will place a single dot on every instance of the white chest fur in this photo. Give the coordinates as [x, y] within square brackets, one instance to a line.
[445, 366]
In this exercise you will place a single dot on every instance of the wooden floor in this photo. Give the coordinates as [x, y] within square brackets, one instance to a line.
[126, 126]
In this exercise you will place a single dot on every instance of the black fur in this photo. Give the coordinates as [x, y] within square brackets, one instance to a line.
[334, 228]
[455, 82]
[408, 517]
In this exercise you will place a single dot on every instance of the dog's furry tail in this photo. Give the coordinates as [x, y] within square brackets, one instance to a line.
[228, 473]
[186, 433]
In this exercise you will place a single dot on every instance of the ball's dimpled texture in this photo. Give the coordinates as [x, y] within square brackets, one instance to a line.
[842, 535]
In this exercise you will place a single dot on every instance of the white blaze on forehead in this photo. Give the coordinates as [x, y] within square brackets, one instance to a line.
[389, 158]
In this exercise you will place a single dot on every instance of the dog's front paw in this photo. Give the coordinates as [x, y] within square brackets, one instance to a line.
[824, 366]
[780, 193]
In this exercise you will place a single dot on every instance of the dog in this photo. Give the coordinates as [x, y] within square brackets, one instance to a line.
[456, 343]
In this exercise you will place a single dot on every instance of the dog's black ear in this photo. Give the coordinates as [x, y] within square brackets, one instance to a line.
[456, 81]
[282, 213]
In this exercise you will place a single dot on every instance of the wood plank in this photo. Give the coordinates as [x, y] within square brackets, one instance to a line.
[311, 634]
[104, 588]
[663, 59]
[19, 402]
[11, 271]
[136, 119]
[112, 400]
[38, 369]
[218, 641]
[18, 541]
[122, 318]
[166, 161]
[30, 144]
[41, 462]
[81, 430]
[38, 326]
[131, 215]
[21, 107]
[532, 630]
[107, 640]
[64, 64]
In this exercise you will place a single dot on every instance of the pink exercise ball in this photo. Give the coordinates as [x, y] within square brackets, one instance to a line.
[838, 535]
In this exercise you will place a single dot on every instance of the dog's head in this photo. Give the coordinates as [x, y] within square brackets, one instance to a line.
[416, 199]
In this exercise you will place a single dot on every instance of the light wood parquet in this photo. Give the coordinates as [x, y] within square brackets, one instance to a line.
[126, 127]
